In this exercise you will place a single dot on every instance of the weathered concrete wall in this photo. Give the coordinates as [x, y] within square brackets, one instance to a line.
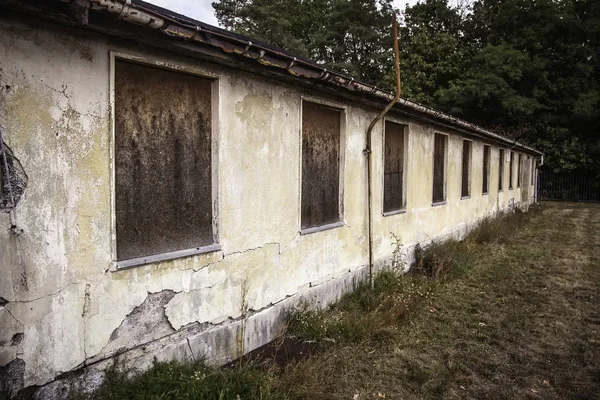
[74, 311]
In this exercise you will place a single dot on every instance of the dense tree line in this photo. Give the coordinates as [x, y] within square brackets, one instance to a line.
[529, 69]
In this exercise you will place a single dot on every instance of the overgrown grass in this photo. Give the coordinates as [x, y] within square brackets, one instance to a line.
[469, 321]
[445, 259]
[365, 314]
[196, 381]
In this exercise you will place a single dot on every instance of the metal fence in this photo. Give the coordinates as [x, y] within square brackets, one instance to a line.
[578, 185]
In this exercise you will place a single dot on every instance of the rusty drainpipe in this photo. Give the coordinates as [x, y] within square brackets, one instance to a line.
[368, 149]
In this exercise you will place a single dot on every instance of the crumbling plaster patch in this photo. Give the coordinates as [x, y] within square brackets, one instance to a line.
[145, 323]
[11, 329]
[58, 329]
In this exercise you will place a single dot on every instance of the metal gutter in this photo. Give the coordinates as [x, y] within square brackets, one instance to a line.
[141, 13]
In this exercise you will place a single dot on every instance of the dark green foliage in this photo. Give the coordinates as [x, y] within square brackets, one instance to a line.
[529, 69]
[352, 36]
[188, 381]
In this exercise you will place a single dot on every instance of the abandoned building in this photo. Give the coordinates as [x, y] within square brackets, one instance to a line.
[171, 189]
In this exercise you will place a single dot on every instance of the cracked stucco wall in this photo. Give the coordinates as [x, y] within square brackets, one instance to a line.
[54, 105]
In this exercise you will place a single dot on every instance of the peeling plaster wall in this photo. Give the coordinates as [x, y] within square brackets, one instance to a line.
[76, 311]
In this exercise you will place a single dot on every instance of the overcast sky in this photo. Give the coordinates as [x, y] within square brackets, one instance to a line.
[202, 9]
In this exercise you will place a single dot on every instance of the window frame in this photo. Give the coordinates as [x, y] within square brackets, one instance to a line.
[445, 164]
[520, 160]
[511, 172]
[469, 169]
[341, 169]
[215, 106]
[501, 168]
[486, 169]
[405, 139]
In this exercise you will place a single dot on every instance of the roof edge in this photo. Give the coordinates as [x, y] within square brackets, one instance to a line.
[177, 26]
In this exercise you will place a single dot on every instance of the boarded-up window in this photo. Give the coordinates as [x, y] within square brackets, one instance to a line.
[520, 171]
[466, 169]
[163, 181]
[486, 169]
[500, 170]
[533, 166]
[439, 168]
[393, 178]
[320, 165]
[511, 170]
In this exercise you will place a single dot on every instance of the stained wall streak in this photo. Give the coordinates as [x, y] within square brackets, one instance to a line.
[320, 164]
[163, 160]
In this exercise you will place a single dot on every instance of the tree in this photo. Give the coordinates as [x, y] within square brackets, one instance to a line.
[527, 68]
[285, 23]
[432, 53]
[353, 36]
[534, 71]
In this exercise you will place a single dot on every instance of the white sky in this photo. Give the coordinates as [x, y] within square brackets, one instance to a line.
[202, 9]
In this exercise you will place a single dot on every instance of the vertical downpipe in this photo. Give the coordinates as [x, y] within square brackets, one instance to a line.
[368, 150]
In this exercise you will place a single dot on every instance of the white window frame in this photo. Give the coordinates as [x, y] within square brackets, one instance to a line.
[215, 106]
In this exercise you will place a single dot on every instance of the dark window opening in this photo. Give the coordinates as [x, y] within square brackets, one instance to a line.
[520, 171]
[320, 165]
[486, 168]
[163, 165]
[439, 168]
[466, 169]
[393, 178]
[511, 170]
[500, 169]
[533, 167]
